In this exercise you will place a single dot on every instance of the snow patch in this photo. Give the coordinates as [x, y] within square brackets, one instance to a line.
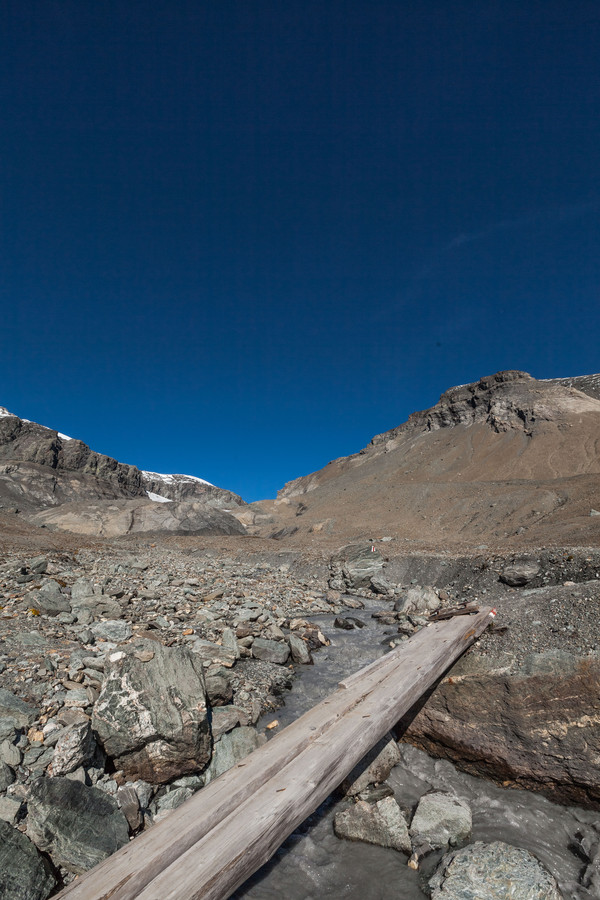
[175, 479]
[64, 437]
[156, 498]
[4, 413]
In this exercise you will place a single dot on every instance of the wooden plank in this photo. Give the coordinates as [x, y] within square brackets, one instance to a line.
[347, 725]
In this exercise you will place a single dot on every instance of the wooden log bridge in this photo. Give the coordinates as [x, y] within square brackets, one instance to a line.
[211, 844]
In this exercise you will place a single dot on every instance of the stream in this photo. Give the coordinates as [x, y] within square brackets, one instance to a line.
[313, 863]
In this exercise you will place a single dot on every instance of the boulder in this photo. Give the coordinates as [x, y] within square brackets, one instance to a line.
[380, 823]
[75, 747]
[7, 776]
[418, 600]
[231, 748]
[48, 600]
[441, 820]
[151, 717]
[77, 825]
[360, 564]
[113, 630]
[270, 651]
[300, 650]
[374, 767]
[520, 572]
[24, 873]
[506, 872]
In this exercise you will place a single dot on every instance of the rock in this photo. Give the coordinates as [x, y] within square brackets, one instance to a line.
[340, 622]
[231, 748]
[374, 767]
[441, 820]
[509, 873]
[225, 718]
[79, 826]
[520, 712]
[520, 572]
[151, 717]
[380, 823]
[360, 564]
[49, 600]
[219, 689]
[382, 585]
[129, 804]
[270, 651]
[300, 651]
[418, 600]
[14, 708]
[112, 630]
[171, 801]
[24, 873]
[10, 807]
[75, 747]
[7, 776]
[10, 754]
[219, 654]
[8, 728]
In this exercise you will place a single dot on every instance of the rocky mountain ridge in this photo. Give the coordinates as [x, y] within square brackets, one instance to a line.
[59, 482]
[491, 460]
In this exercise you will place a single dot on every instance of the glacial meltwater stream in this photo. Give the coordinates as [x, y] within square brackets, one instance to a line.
[314, 864]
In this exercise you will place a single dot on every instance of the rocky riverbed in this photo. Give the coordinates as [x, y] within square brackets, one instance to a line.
[133, 674]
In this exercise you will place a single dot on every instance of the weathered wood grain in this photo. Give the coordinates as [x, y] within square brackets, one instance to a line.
[211, 844]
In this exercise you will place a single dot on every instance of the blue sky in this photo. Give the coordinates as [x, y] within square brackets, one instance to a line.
[238, 239]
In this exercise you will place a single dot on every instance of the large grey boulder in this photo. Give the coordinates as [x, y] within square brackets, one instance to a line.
[418, 600]
[151, 717]
[520, 572]
[270, 651]
[77, 825]
[380, 823]
[360, 564]
[493, 871]
[49, 599]
[24, 873]
[232, 748]
[114, 630]
[441, 820]
[374, 767]
[300, 650]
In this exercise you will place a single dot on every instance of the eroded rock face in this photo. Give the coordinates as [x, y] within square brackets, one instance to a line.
[505, 871]
[24, 873]
[540, 731]
[359, 564]
[78, 825]
[151, 717]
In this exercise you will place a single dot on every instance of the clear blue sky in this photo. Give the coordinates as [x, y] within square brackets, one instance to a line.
[240, 237]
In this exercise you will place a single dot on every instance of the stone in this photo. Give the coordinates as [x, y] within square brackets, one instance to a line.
[374, 767]
[441, 820]
[520, 572]
[24, 873]
[49, 600]
[225, 718]
[129, 804]
[344, 624]
[151, 717]
[75, 747]
[81, 590]
[300, 650]
[171, 801]
[270, 651]
[380, 823]
[382, 585]
[7, 776]
[77, 825]
[506, 872]
[231, 748]
[219, 689]
[113, 630]
[360, 564]
[8, 728]
[10, 754]
[10, 807]
[13, 707]
[418, 600]
[214, 653]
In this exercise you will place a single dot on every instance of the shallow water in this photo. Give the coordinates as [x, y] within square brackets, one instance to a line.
[314, 864]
